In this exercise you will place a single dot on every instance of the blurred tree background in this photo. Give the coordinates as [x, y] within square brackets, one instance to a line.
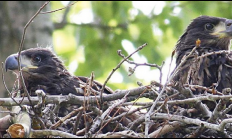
[14, 15]
[88, 34]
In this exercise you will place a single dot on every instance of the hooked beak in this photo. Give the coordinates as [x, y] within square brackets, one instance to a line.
[11, 63]
[224, 29]
[228, 30]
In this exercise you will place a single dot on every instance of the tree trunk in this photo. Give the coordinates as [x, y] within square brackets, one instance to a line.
[13, 17]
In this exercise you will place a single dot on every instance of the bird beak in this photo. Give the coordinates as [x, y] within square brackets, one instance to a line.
[11, 63]
[224, 30]
[228, 30]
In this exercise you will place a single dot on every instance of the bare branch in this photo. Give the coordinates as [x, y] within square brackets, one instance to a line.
[187, 120]
[21, 46]
[44, 133]
[118, 66]
[66, 7]
[99, 120]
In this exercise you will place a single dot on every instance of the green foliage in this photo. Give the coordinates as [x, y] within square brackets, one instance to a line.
[93, 45]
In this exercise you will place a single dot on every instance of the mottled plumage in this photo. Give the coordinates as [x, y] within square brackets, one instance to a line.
[215, 34]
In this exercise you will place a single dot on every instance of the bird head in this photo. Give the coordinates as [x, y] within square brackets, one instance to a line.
[214, 33]
[35, 61]
[41, 69]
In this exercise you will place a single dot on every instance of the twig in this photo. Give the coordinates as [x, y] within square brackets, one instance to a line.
[218, 110]
[135, 124]
[42, 124]
[214, 53]
[99, 120]
[89, 88]
[187, 120]
[227, 109]
[183, 61]
[81, 131]
[67, 9]
[21, 46]
[198, 104]
[120, 134]
[161, 74]
[72, 99]
[41, 96]
[192, 87]
[150, 112]
[126, 113]
[139, 64]
[5, 122]
[118, 66]
[169, 69]
[66, 117]
[58, 9]
[43, 133]
[3, 79]
[167, 128]
[209, 97]
[77, 121]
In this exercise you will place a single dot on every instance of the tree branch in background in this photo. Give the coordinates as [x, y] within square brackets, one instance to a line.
[66, 9]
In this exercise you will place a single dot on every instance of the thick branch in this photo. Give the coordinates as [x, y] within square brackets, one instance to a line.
[44, 133]
[187, 120]
[72, 99]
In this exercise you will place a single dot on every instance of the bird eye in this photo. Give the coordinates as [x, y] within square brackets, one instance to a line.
[36, 59]
[209, 26]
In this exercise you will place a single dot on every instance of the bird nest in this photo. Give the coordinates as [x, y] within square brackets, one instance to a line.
[175, 112]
